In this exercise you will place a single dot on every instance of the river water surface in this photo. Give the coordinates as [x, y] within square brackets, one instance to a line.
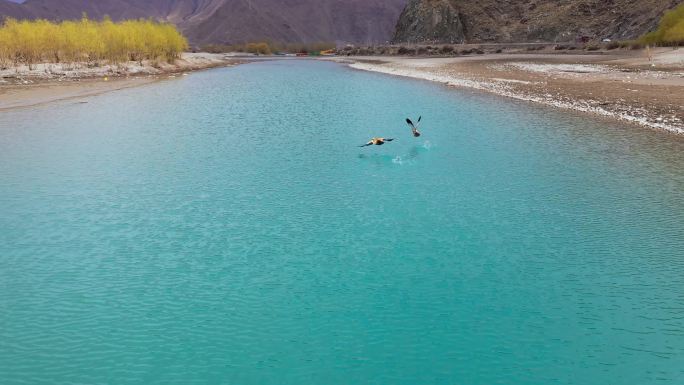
[224, 228]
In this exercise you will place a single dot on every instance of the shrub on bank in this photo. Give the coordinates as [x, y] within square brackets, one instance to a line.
[36, 41]
[258, 48]
[670, 30]
[266, 47]
[405, 51]
[613, 45]
[636, 45]
[447, 49]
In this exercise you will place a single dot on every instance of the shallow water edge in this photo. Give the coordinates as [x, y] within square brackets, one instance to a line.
[503, 87]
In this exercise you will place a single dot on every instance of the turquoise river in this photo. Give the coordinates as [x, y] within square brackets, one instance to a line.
[225, 228]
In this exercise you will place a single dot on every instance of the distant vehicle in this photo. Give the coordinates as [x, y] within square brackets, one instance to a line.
[606, 40]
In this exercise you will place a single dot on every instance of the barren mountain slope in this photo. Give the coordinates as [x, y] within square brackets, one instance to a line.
[237, 21]
[455, 21]
[13, 10]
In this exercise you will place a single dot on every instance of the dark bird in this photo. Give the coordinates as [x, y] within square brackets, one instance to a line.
[414, 128]
[377, 142]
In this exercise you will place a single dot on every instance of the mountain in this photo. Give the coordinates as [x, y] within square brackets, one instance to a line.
[358, 21]
[12, 9]
[237, 21]
[456, 21]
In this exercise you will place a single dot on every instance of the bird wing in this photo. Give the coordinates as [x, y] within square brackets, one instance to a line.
[388, 139]
[367, 144]
[418, 122]
[410, 123]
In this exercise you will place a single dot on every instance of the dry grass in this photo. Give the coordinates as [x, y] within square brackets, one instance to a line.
[670, 31]
[38, 41]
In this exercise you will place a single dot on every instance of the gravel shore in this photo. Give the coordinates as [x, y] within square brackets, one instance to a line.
[44, 83]
[625, 86]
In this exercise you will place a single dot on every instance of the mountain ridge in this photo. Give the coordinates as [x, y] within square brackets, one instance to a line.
[238, 21]
[464, 21]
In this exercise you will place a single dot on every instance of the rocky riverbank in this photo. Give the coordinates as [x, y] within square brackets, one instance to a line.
[23, 74]
[22, 86]
[627, 87]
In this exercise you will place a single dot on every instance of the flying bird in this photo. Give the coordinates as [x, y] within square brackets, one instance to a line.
[377, 142]
[414, 128]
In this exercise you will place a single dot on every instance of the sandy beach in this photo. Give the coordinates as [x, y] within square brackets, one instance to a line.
[624, 85]
[44, 83]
